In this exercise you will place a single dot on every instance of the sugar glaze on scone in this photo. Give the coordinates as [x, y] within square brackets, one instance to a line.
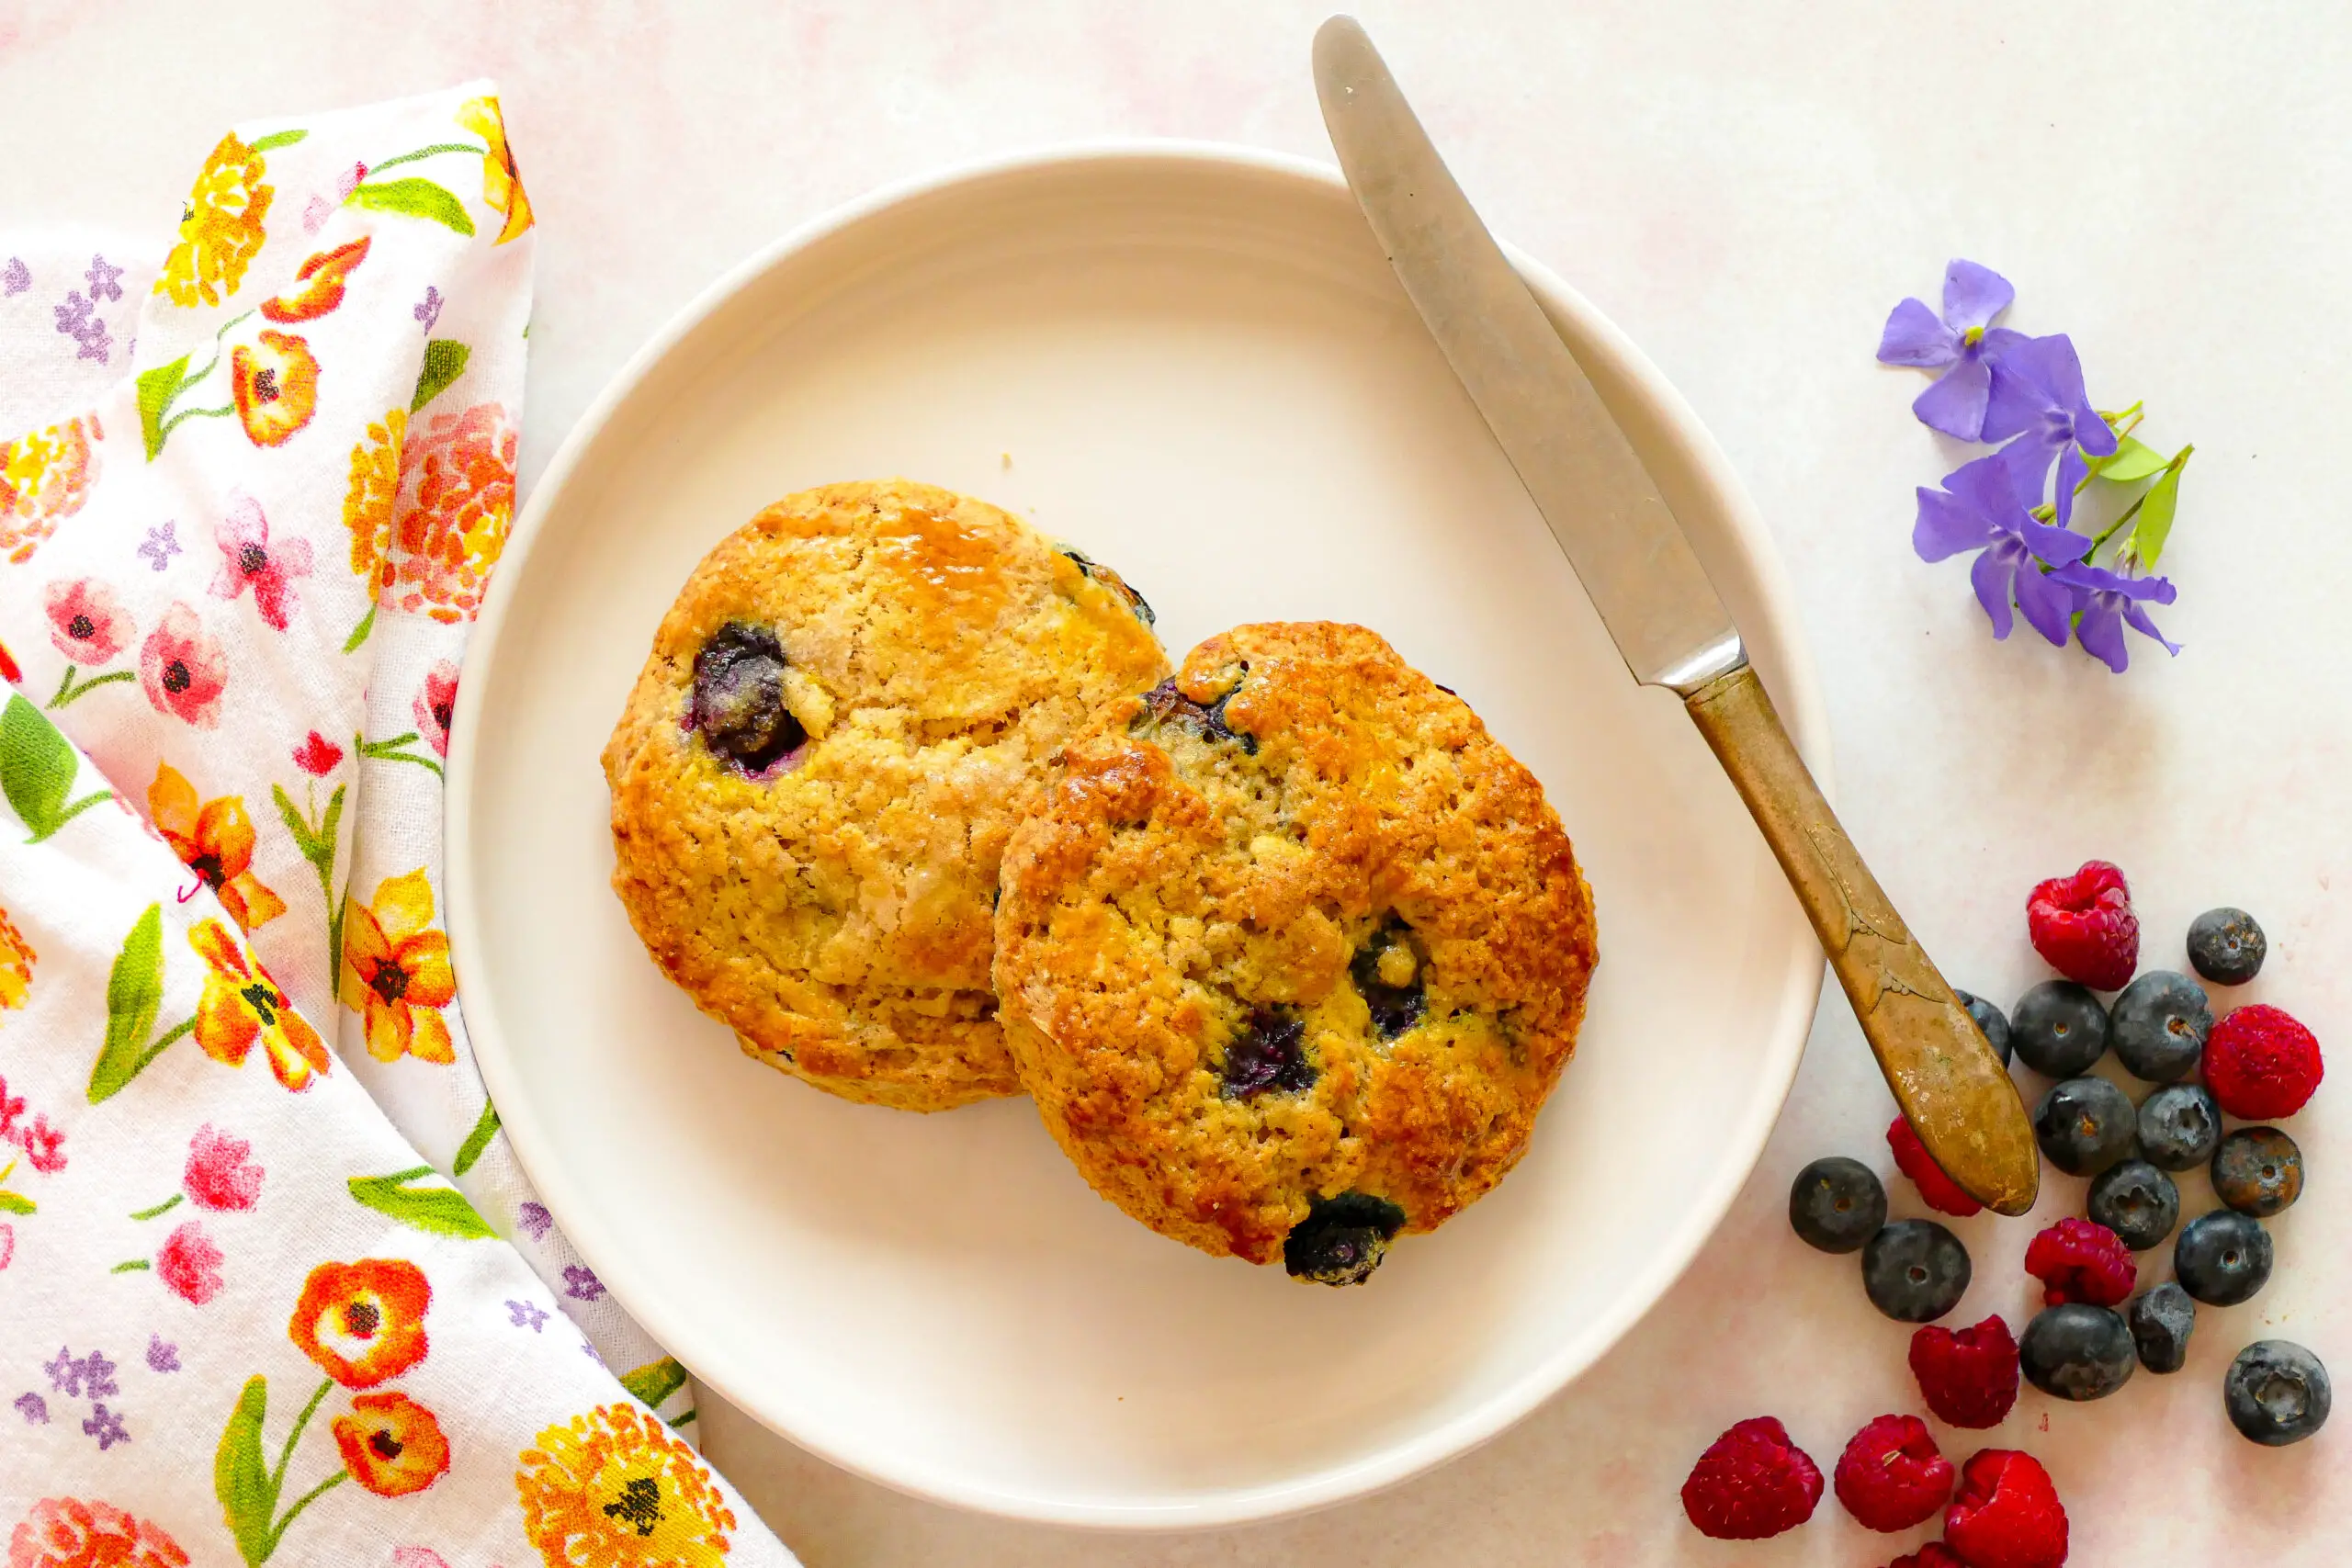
[854, 699]
[1291, 951]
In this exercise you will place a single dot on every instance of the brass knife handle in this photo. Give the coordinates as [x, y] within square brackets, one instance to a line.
[1944, 1075]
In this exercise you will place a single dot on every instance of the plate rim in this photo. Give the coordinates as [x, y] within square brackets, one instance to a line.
[1797, 693]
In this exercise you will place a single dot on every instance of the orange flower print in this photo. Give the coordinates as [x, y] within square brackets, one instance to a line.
[396, 971]
[220, 226]
[457, 503]
[16, 960]
[215, 840]
[182, 671]
[369, 503]
[614, 1489]
[66, 1532]
[44, 478]
[502, 187]
[322, 278]
[391, 1445]
[275, 382]
[363, 1323]
[242, 1004]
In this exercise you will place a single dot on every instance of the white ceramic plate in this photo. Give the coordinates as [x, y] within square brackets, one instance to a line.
[1193, 362]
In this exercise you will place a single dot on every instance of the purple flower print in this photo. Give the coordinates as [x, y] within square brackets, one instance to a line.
[1983, 507]
[33, 1408]
[16, 278]
[2039, 398]
[2110, 601]
[428, 310]
[590, 1351]
[525, 1315]
[106, 1427]
[64, 1372]
[535, 1220]
[1962, 342]
[580, 1283]
[104, 280]
[73, 315]
[97, 1375]
[159, 546]
[95, 344]
[161, 1357]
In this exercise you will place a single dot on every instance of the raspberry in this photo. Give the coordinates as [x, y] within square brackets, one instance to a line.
[1935, 1554]
[1939, 1192]
[2261, 1064]
[2082, 1260]
[1969, 1376]
[2008, 1515]
[1751, 1483]
[2084, 928]
[1891, 1477]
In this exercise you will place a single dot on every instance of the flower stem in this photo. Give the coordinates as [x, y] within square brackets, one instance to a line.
[433, 152]
[165, 1207]
[132, 1267]
[69, 692]
[186, 414]
[278, 1476]
[162, 1040]
[312, 1495]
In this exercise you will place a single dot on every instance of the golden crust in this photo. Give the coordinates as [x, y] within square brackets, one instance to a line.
[1174, 882]
[836, 915]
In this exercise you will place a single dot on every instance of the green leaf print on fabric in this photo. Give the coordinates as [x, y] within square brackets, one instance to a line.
[239, 1478]
[134, 995]
[277, 139]
[157, 388]
[655, 1381]
[442, 1211]
[37, 771]
[477, 1142]
[444, 361]
[413, 199]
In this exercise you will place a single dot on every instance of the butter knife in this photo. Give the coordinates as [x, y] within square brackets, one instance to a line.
[1657, 603]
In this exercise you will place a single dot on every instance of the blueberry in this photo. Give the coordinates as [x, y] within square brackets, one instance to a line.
[2226, 946]
[1165, 704]
[2258, 1172]
[2159, 1025]
[2084, 1125]
[1270, 1053]
[1914, 1270]
[1113, 580]
[1387, 970]
[2137, 1201]
[2162, 1320]
[1342, 1239]
[1991, 1020]
[2059, 1028]
[738, 701]
[1836, 1204]
[2077, 1350]
[2276, 1392]
[2221, 1257]
[2179, 1126]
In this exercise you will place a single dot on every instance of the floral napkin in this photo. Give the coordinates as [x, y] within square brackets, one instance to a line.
[271, 1284]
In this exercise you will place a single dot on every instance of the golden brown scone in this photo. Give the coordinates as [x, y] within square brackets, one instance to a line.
[1293, 950]
[854, 698]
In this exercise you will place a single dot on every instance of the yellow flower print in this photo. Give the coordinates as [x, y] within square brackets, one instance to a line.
[215, 839]
[44, 478]
[368, 504]
[220, 228]
[502, 187]
[396, 971]
[614, 1489]
[242, 1004]
[17, 958]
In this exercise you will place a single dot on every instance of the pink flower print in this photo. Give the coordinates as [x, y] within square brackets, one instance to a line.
[318, 756]
[8, 1244]
[219, 1175]
[44, 1145]
[10, 1108]
[418, 1557]
[433, 705]
[190, 1264]
[182, 669]
[248, 558]
[86, 622]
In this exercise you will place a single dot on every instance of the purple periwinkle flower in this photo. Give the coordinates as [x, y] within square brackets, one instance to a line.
[98, 1374]
[2039, 398]
[161, 1355]
[580, 1283]
[33, 1408]
[1983, 507]
[64, 1372]
[2109, 602]
[535, 1220]
[525, 1315]
[1962, 342]
[104, 280]
[106, 1427]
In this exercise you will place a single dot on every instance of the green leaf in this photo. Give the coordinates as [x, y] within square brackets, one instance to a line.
[37, 770]
[443, 1211]
[134, 992]
[305, 843]
[477, 1141]
[360, 633]
[415, 198]
[655, 1381]
[2133, 460]
[2155, 526]
[16, 1203]
[444, 361]
[157, 388]
[239, 1478]
[328, 824]
[277, 139]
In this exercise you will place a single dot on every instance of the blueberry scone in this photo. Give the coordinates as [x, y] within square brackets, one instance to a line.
[854, 699]
[1291, 951]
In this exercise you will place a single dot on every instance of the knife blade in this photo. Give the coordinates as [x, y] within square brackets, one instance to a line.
[1668, 623]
